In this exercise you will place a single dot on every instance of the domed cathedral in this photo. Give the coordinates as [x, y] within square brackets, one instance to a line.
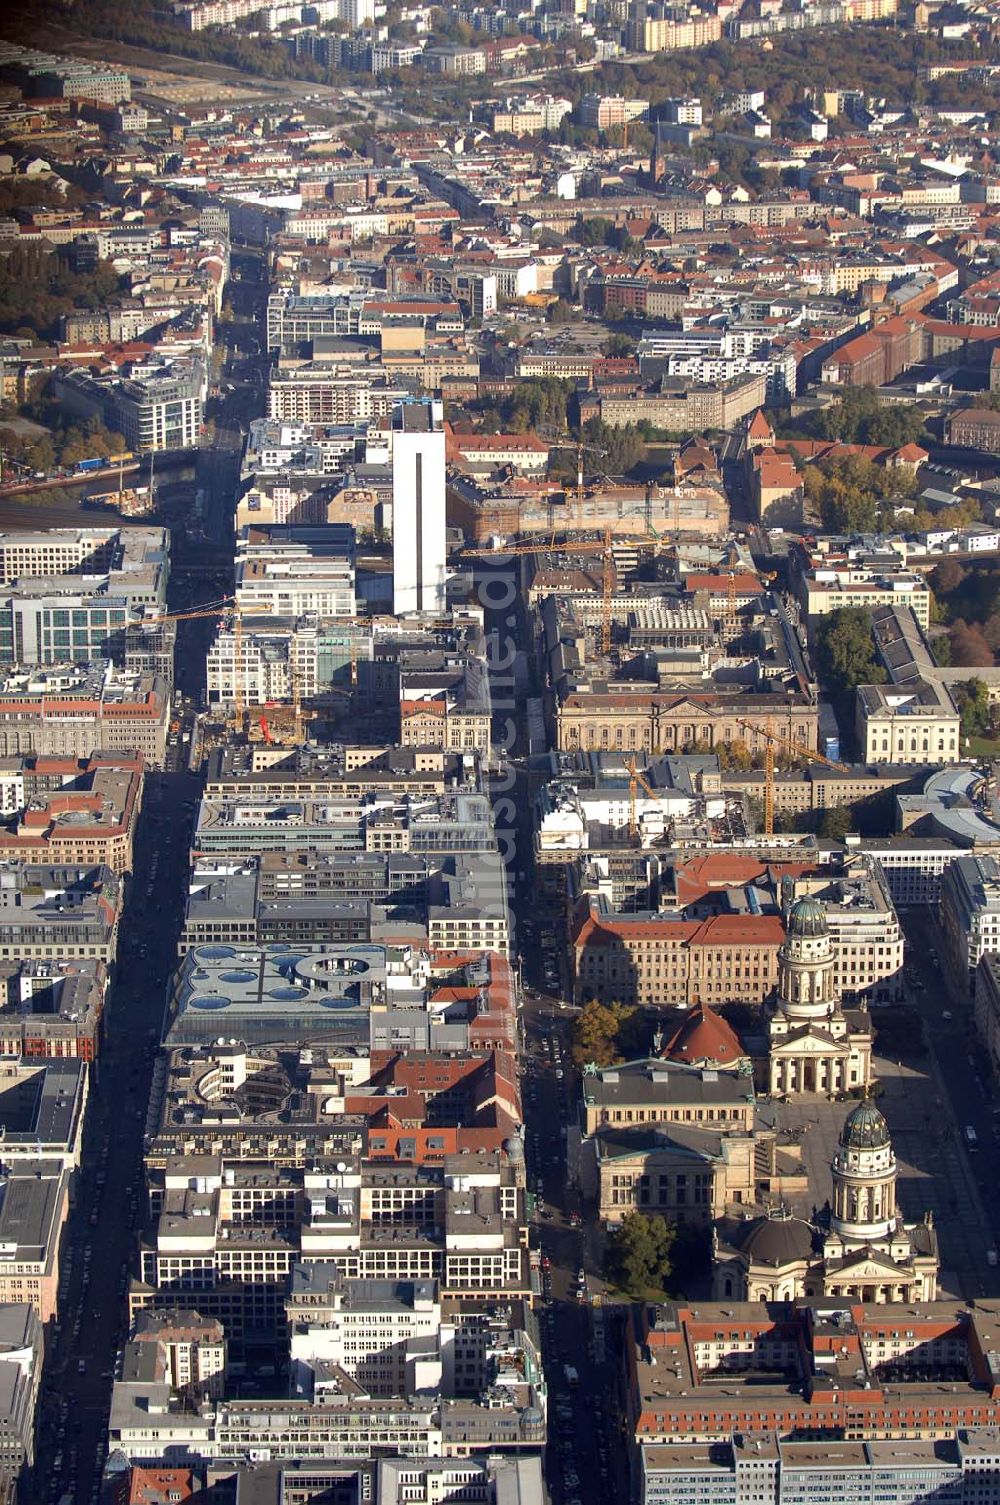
[813, 1044]
[870, 1254]
[862, 1251]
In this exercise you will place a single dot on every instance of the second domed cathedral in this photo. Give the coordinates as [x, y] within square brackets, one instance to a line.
[859, 1248]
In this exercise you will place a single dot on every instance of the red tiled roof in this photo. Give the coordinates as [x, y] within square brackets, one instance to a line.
[704, 1036]
[742, 584]
[155, 1486]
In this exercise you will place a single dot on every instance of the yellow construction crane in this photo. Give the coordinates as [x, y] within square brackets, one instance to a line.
[241, 702]
[584, 546]
[607, 590]
[775, 739]
[635, 779]
[209, 609]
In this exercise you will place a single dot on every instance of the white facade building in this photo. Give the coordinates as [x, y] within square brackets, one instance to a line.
[418, 507]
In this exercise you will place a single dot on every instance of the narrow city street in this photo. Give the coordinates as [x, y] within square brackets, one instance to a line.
[99, 1243]
[584, 1460]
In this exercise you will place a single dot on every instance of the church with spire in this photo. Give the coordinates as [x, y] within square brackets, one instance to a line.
[858, 1248]
[814, 1045]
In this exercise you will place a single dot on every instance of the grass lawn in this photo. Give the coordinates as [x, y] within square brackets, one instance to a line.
[982, 747]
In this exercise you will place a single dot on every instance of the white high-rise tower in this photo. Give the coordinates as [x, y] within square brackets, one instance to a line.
[418, 508]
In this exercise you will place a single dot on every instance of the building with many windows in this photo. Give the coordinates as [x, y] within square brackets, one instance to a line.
[64, 913]
[603, 111]
[651, 957]
[858, 1249]
[21, 1353]
[65, 710]
[763, 1468]
[295, 571]
[157, 407]
[418, 508]
[34, 1204]
[635, 716]
[970, 915]
[822, 1369]
[52, 1009]
[226, 1233]
[917, 723]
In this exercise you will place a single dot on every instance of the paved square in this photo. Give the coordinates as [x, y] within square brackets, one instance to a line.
[933, 1171]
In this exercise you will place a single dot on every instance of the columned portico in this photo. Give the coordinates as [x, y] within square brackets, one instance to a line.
[814, 1047]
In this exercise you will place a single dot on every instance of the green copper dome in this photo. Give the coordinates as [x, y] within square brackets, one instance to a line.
[807, 917]
[864, 1128]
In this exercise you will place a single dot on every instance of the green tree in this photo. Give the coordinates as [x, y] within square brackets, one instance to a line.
[845, 509]
[618, 346]
[969, 649]
[860, 418]
[605, 1033]
[637, 1257]
[836, 823]
[595, 1035]
[973, 701]
[735, 755]
[537, 404]
[846, 651]
[623, 448]
[42, 454]
[594, 232]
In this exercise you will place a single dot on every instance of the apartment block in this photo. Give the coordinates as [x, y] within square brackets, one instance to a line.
[882, 1365]
[21, 1354]
[42, 1107]
[157, 407]
[65, 710]
[63, 913]
[76, 810]
[651, 957]
[975, 428]
[770, 1470]
[226, 1233]
[295, 571]
[970, 915]
[52, 1009]
[34, 1204]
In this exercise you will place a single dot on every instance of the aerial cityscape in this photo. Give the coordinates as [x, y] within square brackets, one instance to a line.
[500, 752]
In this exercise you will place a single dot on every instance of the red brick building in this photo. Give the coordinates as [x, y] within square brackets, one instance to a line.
[816, 1368]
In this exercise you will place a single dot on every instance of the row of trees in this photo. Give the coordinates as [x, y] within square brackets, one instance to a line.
[859, 418]
[853, 495]
[37, 193]
[968, 598]
[39, 286]
[875, 60]
[65, 439]
[845, 651]
[64, 445]
[145, 24]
